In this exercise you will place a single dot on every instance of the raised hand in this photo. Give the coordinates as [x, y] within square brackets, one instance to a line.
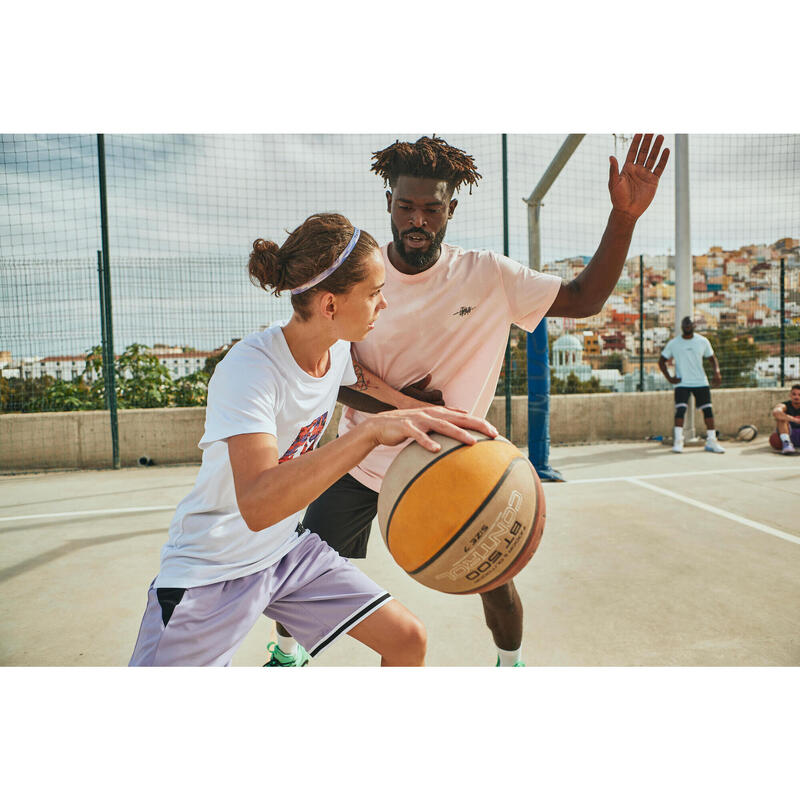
[633, 189]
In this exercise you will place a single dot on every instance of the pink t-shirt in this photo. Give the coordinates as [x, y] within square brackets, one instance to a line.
[451, 321]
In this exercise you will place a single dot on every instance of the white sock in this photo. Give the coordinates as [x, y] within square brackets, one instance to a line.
[785, 437]
[509, 657]
[711, 435]
[287, 645]
[677, 434]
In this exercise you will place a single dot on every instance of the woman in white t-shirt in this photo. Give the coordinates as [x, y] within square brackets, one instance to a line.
[236, 548]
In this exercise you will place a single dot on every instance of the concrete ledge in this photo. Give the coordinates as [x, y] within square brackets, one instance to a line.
[82, 439]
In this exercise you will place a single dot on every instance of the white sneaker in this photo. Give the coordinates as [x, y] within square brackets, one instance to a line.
[677, 446]
[713, 446]
[788, 449]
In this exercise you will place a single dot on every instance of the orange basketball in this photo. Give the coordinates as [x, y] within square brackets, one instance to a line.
[465, 519]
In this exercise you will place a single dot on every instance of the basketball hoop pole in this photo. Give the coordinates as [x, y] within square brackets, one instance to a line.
[684, 298]
[538, 356]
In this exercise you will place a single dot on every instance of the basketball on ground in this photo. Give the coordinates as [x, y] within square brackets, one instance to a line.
[466, 519]
[775, 441]
[747, 433]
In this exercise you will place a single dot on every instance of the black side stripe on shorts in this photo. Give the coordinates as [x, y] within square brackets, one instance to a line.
[168, 599]
[350, 622]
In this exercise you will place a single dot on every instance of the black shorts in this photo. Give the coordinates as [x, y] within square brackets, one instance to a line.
[702, 395]
[342, 516]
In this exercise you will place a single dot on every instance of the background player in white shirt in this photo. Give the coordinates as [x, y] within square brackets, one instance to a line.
[688, 352]
[449, 316]
[236, 549]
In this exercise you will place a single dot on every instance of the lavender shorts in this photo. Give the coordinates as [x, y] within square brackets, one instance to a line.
[312, 591]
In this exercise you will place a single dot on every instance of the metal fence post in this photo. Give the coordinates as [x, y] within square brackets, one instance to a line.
[641, 323]
[103, 334]
[108, 357]
[783, 322]
[505, 253]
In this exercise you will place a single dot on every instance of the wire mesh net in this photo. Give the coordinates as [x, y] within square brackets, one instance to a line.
[183, 211]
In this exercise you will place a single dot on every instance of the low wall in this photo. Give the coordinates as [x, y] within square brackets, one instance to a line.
[636, 415]
[82, 439]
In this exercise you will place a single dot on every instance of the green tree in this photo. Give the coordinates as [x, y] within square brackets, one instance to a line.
[192, 390]
[613, 361]
[22, 395]
[573, 385]
[142, 380]
[72, 395]
[737, 354]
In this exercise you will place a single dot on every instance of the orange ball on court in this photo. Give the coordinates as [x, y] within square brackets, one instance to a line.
[464, 520]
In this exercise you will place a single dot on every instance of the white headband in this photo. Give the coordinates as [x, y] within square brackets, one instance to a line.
[333, 267]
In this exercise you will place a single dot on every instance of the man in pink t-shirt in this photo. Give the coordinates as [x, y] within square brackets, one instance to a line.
[447, 322]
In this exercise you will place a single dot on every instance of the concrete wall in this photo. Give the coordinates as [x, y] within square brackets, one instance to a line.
[636, 415]
[82, 439]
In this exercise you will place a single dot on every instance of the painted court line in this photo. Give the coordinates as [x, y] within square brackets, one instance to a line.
[683, 474]
[139, 510]
[144, 509]
[718, 511]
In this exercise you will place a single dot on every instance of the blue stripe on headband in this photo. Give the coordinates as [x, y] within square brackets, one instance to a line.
[333, 267]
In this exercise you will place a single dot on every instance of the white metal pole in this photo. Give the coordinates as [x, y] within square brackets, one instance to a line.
[684, 297]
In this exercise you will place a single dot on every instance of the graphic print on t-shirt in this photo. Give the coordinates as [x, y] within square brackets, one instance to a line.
[464, 311]
[306, 439]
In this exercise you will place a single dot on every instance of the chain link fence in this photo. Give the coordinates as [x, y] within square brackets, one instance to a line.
[183, 211]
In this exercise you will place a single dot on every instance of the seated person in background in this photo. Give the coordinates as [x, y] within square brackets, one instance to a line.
[787, 415]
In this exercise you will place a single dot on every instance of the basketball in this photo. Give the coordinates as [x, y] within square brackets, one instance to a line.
[747, 433]
[464, 520]
[775, 441]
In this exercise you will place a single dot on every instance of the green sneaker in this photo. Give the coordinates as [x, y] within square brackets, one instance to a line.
[280, 659]
[518, 664]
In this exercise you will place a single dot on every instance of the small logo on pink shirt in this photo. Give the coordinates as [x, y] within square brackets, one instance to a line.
[464, 311]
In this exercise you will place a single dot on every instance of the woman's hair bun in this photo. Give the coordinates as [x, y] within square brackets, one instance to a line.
[264, 266]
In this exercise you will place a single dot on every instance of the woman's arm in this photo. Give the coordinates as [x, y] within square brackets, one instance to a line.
[267, 492]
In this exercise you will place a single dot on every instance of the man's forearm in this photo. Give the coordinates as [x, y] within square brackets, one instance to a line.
[597, 281]
[585, 295]
[372, 394]
[359, 401]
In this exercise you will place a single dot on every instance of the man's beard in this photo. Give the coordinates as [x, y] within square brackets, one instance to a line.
[419, 259]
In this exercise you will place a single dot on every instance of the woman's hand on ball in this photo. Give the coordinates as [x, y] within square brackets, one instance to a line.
[394, 427]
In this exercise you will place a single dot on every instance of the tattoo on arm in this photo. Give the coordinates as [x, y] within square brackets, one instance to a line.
[361, 384]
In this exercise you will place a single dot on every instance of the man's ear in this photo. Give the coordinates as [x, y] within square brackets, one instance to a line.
[452, 208]
[388, 201]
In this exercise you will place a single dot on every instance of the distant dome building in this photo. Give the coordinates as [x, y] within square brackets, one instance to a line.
[568, 357]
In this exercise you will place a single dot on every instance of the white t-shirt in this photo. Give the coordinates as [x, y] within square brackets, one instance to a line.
[257, 388]
[451, 321]
[688, 355]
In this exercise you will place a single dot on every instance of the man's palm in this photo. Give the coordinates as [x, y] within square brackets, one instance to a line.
[632, 190]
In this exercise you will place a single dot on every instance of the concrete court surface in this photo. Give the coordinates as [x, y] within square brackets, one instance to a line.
[628, 573]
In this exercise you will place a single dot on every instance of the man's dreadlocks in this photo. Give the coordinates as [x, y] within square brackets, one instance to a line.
[426, 158]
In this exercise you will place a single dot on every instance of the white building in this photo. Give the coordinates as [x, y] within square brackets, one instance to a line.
[770, 367]
[67, 368]
[568, 358]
